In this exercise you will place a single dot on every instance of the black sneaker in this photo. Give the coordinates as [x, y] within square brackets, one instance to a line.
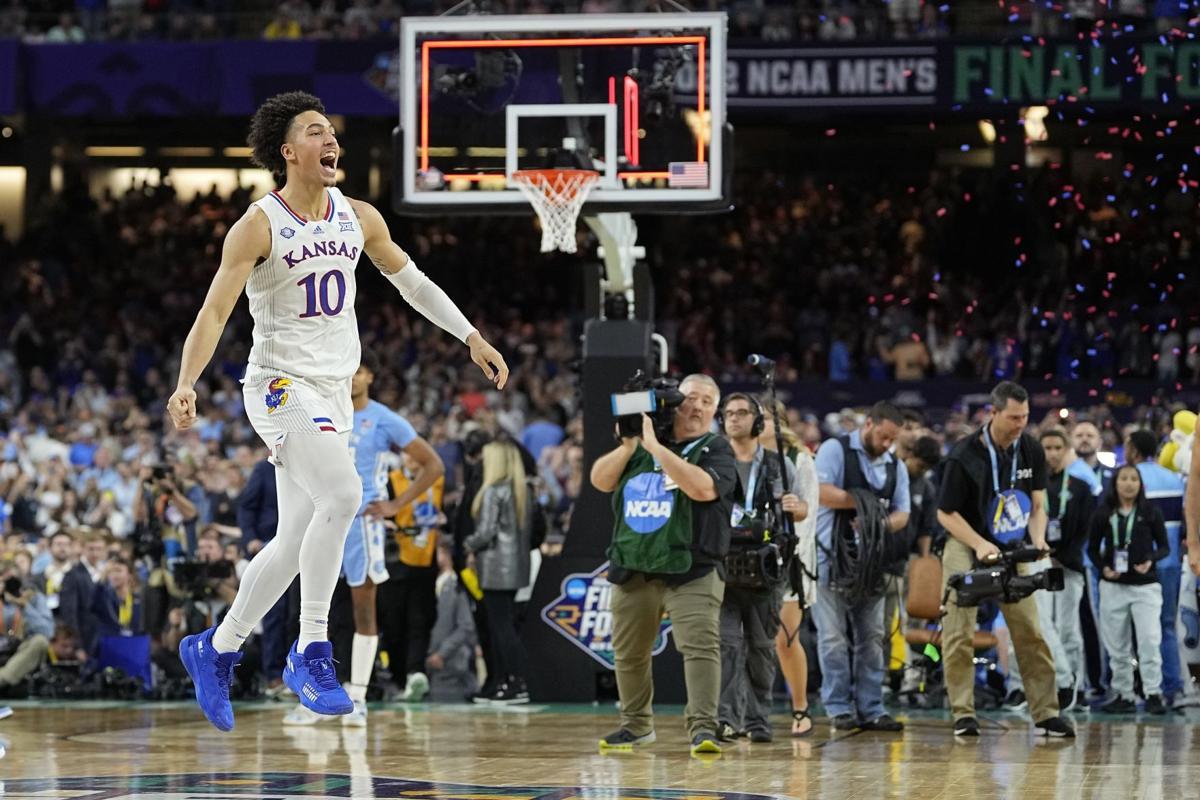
[1119, 705]
[1066, 699]
[705, 744]
[1015, 700]
[760, 737]
[510, 693]
[1155, 705]
[966, 726]
[1057, 727]
[845, 722]
[624, 740]
[883, 723]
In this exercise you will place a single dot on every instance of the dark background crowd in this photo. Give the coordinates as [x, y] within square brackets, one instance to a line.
[870, 278]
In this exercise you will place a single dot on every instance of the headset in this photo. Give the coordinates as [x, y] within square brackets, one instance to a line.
[756, 428]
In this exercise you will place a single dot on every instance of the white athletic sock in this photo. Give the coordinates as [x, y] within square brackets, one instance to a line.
[314, 623]
[362, 661]
[231, 634]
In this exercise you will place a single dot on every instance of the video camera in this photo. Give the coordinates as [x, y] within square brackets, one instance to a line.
[656, 397]
[999, 580]
[200, 578]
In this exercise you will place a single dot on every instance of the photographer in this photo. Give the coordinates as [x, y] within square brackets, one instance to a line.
[165, 512]
[208, 586]
[864, 511]
[672, 503]
[750, 609]
[994, 493]
[26, 627]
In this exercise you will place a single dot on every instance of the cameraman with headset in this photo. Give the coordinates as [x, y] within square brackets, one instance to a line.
[754, 581]
[672, 502]
[994, 495]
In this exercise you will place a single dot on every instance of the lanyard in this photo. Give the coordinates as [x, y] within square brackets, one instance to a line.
[682, 453]
[1112, 521]
[125, 613]
[751, 484]
[1064, 496]
[1012, 481]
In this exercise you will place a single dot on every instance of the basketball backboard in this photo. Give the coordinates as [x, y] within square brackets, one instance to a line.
[640, 98]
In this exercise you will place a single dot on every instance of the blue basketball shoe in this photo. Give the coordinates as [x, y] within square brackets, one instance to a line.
[312, 677]
[210, 673]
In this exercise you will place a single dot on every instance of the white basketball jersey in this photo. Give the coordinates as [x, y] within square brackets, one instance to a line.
[302, 297]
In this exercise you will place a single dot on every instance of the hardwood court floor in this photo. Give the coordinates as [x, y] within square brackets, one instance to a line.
[112, 750]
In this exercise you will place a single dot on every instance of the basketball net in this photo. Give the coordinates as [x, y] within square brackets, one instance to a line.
[557, 195]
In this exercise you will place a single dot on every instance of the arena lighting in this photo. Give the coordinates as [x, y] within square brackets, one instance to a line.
[700, 124]
[97, 151]
[187, 152]
[1034, 118]
[987, 130]
[237, 152]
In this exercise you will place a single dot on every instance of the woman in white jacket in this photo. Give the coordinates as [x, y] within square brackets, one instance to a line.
[792, 659]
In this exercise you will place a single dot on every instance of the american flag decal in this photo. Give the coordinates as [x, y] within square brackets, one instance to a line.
[687, 174]
[343, 215]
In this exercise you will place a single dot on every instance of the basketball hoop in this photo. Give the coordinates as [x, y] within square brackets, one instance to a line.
[557, 195]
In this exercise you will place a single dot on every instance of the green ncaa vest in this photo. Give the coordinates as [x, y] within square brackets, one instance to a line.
[653, 518]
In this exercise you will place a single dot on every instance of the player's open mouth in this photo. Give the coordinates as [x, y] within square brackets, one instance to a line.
[329, 163]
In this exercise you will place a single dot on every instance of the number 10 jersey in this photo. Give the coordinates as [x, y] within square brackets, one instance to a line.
[302, 296]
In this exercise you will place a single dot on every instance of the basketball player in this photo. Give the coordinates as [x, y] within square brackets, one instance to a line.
[377, 430]
[294, 252]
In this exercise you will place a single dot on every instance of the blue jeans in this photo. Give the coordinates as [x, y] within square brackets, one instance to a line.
[1172, 672]
[837, 621]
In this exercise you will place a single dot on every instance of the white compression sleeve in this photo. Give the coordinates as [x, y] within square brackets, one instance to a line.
[430, 301]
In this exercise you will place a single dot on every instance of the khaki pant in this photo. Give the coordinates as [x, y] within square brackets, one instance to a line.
[958, 629]
[695, 609]
[28, 658]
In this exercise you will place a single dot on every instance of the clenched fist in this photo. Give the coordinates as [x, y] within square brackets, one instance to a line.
[182, 408]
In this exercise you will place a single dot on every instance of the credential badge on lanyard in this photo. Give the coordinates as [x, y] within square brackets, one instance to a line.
[1008, 517]
[740, 513]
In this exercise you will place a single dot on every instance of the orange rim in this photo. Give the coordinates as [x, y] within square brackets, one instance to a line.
[559, 185]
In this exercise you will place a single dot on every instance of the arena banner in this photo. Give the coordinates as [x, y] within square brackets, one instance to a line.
[944, 75]
[158, 79]
[359, 78]
[180, 79]
[582, 612]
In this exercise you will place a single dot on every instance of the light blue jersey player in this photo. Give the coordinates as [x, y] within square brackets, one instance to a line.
[378, 433]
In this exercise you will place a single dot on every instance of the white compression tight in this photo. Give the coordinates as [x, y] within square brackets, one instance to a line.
[319, 493]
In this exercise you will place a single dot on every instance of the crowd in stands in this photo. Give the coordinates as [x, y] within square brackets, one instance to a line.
[768, 20]
[964, 274]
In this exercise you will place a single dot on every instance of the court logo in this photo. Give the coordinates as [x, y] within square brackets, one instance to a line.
[261, 785]
[277, 394]
[287, 233]
[583, 614]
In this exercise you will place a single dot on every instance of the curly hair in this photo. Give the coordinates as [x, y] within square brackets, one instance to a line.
[270, 125]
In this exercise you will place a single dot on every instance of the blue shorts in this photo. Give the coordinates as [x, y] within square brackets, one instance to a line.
[362, 557]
